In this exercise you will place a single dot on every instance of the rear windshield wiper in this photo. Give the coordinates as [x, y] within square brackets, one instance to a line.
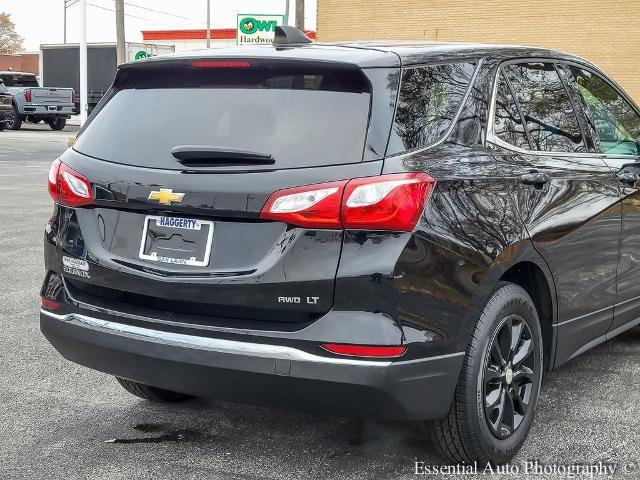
[209, 156]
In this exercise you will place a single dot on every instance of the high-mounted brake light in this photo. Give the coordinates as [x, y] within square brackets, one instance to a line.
[386, 202]
[370, 351]
[220, 64]
[27, 95]
[68, 187]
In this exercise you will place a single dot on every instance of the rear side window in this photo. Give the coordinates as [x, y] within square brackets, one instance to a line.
[508, 121]
[614, 121]
[548, 112]
[300, 115]
[18, 80]
[429, 99]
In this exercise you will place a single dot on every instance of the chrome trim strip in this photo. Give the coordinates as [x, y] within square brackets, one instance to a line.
[205, 343]
[619, 304]
[595, 312]
[222, 345]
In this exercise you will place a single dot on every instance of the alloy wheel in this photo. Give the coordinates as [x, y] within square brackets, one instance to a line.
[509, 373]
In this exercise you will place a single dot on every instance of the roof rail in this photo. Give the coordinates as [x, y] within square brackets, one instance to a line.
[288, 35]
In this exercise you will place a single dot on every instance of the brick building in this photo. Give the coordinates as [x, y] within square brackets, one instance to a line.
[20, 62]
[606, 32]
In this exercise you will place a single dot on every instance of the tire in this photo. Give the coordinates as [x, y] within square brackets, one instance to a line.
[153, 394]
[466, 435]
[15, 121]
[57, 123]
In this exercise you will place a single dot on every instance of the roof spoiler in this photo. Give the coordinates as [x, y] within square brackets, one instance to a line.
[288, 35]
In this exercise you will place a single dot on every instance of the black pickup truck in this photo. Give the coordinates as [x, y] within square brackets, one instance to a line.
[6, 106]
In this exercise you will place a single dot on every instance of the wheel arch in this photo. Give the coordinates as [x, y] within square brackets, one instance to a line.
[521, 264]
[533, 280]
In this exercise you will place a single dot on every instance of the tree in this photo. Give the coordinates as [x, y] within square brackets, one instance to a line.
[10, 41]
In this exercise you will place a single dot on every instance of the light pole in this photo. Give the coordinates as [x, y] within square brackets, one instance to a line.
[83, 61]
[208, 23]
[67, 4]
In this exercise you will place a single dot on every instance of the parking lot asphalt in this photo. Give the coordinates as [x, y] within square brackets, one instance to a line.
[60, 420]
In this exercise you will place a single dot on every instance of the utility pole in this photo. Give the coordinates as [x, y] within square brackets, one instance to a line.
[300, 14]
[208, 23]
[83, 61]
[120, 46]
[286, 13]
[67, 4]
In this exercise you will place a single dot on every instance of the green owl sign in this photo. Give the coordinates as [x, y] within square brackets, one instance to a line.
[256, 29]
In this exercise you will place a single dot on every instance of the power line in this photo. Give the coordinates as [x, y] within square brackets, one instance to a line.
[127, 14]
[162, 13]
[113, 11]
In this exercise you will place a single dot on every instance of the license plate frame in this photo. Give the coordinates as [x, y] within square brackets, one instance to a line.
[193, 261]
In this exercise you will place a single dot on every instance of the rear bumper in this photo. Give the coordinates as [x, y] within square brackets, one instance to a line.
[257, 372]
[48, 110]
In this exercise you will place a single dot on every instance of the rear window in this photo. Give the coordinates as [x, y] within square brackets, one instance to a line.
[301, 116]
[18, 80]
[429, 99]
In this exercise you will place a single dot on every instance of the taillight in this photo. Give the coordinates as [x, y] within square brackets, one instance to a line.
[49, 304]
[313, 206]
[27, 95]
[73, 96]
[371, 351]
[386, 202]
[68, 187]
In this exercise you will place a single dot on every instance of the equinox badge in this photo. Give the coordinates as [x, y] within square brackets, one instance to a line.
[165, 196]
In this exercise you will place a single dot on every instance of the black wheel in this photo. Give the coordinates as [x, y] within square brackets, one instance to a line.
[15, 120]
[57, 123]
[497, 392]
[153, 394]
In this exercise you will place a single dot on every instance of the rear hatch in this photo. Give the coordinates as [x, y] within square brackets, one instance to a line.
[182, 156]
[51, 96]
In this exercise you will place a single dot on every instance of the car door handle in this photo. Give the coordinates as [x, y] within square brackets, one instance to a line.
[535, 178]
[627, 177]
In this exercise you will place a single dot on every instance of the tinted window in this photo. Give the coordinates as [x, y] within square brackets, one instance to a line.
[18, 80]
[551, 121]
[429, 100]
[508, 122]
[299, 117]
[615, 123]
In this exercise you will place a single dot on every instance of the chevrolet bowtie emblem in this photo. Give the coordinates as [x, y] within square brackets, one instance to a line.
[165, 196]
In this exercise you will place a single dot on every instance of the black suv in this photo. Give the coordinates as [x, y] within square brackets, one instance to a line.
[402, 231]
